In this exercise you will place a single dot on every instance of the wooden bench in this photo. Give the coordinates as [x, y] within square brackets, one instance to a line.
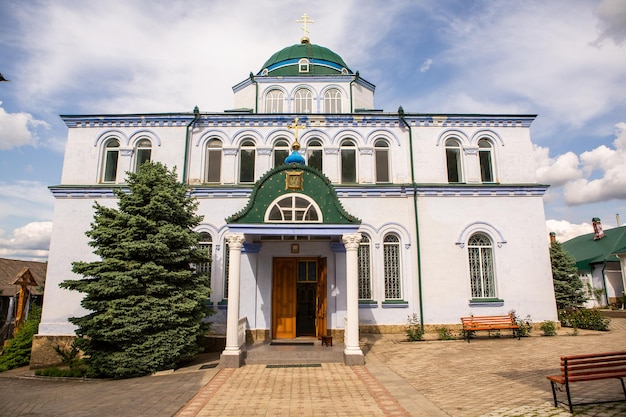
[591, 367]
[489, 323]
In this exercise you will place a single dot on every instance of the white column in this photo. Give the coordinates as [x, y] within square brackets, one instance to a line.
[352, 353]
[235, 242]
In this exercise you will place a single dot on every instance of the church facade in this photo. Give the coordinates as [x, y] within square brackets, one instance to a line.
[322, 215]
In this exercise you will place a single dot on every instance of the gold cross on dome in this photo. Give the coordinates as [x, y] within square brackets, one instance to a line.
[295, 126]
[305, 19]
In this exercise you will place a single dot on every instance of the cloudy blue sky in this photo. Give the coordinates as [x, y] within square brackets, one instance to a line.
[564, 60]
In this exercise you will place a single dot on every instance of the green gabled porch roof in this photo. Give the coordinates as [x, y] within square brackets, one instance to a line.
[587, 251]
[314, 185]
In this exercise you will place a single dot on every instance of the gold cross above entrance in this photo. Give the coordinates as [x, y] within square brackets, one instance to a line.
[295, 126]
[305, 19]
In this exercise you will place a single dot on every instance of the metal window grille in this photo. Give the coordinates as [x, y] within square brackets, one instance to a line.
[204, 268]
[365, 280]
[391, 259]
[480, 255]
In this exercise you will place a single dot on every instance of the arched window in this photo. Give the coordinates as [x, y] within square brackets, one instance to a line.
[381, 155]
[281, 151]
[206, 244]
[485, 155]
[293, 208]
[332, 101]
[109, 162]
[365, 268]
[274, 101]
[480, 255]
[247, 158]
[314, 154]
[348, 162]
[453, 160]
[213, 161]
[303, 65]
[143, 151]
[303, 101]
[391, 261]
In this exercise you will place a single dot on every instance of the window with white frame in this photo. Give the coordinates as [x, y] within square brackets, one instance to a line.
[381, 156]
[109, 160]
[485, 156]
[293, 208]
[281, 151]
[274, 101]
[480, 256]
[303, 100]
[206, 244]
[314, 154]
[348, 162]
[303, 65]
[365, 268]
[332, 101]
[247, 159]
[143, 152]
[213, 172]
[453, 160]
[392, 267]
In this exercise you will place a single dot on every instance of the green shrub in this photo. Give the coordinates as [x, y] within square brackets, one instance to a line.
[584, 318]
[414, 330]
[548, 328]
[525, 325]
[17, 352]
[444, 333]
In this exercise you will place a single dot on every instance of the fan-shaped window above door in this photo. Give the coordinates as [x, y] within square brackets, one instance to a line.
[292, 208]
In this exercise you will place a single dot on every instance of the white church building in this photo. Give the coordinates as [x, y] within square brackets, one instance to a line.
[323, 215]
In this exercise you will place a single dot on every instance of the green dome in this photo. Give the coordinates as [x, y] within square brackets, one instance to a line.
[322, 61]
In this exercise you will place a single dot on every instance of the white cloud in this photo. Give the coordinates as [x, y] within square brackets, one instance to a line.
[612, 24]
[556, 171]
[30, 242]
[611, 165]
[25, 199]
[18, 129]
[565, 230]
[521, 53]
[426, 65]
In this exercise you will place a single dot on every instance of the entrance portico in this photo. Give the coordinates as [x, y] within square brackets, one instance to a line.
[347, 279]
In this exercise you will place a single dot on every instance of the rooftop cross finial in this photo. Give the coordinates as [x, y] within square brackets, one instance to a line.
[304, 20]
[295, 126]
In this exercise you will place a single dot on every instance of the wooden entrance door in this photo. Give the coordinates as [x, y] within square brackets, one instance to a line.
[284, 298]
[299, 297]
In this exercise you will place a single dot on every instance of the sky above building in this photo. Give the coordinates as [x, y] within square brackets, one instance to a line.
[563, 60]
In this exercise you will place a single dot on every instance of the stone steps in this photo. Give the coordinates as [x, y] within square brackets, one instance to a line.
[292, 353]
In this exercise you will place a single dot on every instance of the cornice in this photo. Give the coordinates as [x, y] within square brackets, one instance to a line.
[355, 191]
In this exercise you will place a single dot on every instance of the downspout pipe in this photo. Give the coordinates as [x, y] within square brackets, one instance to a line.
[256, 93]
[356, 77]
[196, 116]
[417, 228]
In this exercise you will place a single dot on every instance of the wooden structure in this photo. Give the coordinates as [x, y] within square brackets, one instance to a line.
[489, 323]
[590, 367]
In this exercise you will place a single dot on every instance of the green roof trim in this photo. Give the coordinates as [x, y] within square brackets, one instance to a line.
[587, 251]
[272, 185]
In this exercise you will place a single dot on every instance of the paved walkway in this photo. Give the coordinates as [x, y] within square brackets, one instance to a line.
[497, 377]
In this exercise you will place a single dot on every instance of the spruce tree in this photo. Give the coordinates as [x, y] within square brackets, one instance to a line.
[146, 302]
[568, 288]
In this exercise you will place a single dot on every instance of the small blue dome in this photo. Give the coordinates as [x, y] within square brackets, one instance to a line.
[295, 158]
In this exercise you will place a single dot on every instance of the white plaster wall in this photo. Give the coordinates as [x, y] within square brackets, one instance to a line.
[83, 155]
[72, 217]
